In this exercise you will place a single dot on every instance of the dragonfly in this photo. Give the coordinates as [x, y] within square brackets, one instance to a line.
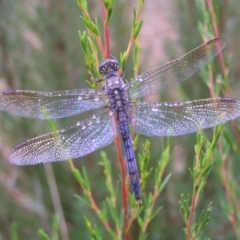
[118, 105]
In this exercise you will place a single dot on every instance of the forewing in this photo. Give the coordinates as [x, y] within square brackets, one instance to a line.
[51, 105]
[69, 143]
[173, 73]
[165, 119]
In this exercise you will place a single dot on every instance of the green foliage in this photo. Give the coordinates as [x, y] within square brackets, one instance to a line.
[55, 231]
[14, 231]
[43, 234]
[137, 25]
[109, 8]
[94, 232]
[202, 167]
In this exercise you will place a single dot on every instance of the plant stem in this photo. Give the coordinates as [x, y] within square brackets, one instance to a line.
[106, 32]
[216, 33]
[223, 167]
[190, 220]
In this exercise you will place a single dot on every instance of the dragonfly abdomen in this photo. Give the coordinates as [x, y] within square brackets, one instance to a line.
[130, 158]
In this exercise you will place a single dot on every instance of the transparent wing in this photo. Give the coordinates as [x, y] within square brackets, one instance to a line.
[173, 73]
[51, 105]
[165, 119]
[69, 143]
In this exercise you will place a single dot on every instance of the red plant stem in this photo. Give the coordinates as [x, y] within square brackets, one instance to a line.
[216, 33]
[211, 83]
[223, 170]
[97, 210]
[117, 139]
[123, 186]
[236, 131]
[131, 40]
[189, 224]
[106, 32]
[132, 218]
[223, 66]
[90, 196]
[229, 199]
[107, 42]
[99, 43]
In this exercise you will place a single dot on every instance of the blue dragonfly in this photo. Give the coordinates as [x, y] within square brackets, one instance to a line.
[116, 107]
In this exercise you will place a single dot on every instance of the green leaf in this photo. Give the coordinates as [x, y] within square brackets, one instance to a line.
[108, 176]
[123, 60]
[164, 183]
[84, 42]
[137, 29]
[43, 234]
[109, 7]
[109, 16]
[82, 199]
[93, 230]
[55, 228]
[83, 4]
[90, 25]
[14, 231]
[156, 212]
[136, 52]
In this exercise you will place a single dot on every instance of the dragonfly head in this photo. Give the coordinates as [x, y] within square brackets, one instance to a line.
[109, 66]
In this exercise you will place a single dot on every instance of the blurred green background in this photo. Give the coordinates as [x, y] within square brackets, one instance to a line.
[40, 50]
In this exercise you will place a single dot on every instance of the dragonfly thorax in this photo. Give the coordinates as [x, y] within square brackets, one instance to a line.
[109, 66]
[117, 93]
